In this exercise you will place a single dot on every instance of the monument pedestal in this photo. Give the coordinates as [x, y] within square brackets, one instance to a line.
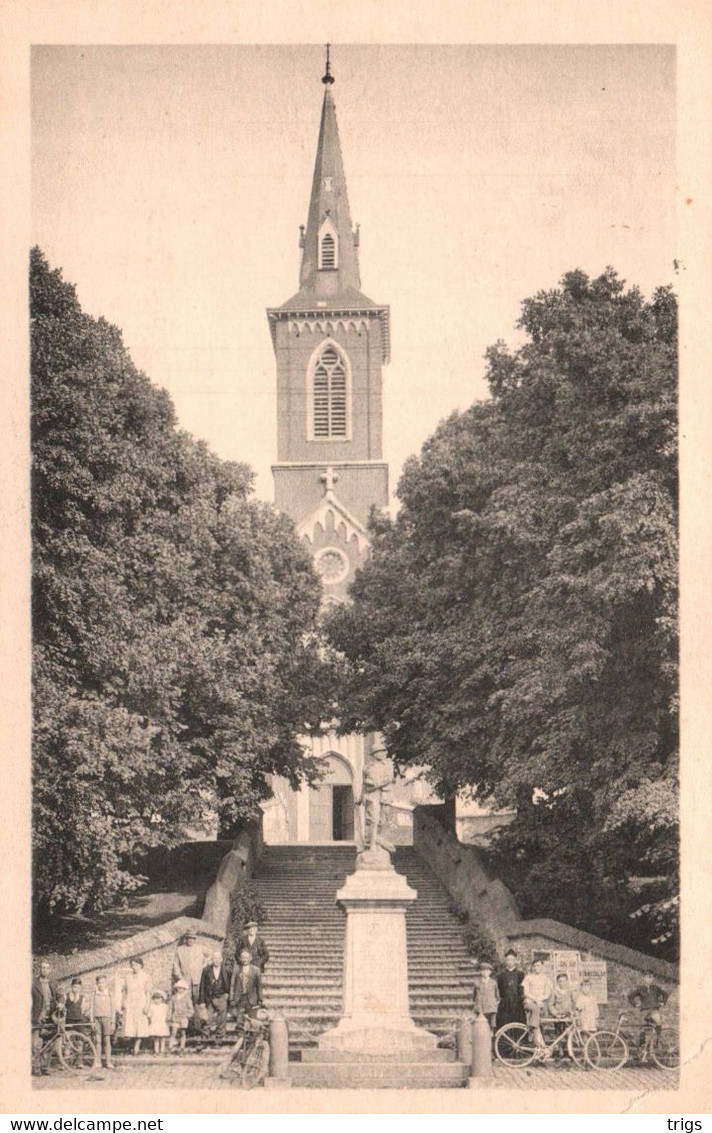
[376, 1012]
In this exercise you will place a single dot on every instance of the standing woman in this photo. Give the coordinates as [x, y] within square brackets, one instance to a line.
[511, 998]
[136, 1003]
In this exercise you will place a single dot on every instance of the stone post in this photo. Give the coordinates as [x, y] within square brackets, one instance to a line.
[481, 1052]
[464, 1040]
[278, 1054]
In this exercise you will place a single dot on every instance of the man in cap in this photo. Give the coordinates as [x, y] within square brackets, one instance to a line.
[486, 994]
[253, 941]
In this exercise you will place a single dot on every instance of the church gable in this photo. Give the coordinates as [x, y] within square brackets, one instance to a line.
[338, 543]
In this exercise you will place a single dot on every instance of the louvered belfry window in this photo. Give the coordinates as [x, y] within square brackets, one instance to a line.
[328, 251]
[330, 395]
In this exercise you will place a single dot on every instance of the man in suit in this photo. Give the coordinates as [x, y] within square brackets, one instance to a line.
[44, 1004]
[245, 988]
[213, 994]
[253, 941]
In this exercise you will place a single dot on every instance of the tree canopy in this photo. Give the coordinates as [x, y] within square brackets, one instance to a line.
[175, 650]
[516, 626]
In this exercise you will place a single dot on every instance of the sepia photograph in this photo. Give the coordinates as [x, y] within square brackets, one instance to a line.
[355, 521]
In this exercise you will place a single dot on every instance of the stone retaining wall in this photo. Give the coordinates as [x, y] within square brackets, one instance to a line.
[490, 904]
[461, 870]
[235, 870]
[156, 946]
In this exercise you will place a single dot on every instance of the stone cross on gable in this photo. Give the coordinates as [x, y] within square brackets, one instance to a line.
[328, 479]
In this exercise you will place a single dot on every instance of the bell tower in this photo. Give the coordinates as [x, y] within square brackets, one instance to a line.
[331, 343]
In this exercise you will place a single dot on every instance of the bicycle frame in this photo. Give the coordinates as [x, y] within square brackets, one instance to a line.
[524, 1049]
[571, 1030]
[644, 1042]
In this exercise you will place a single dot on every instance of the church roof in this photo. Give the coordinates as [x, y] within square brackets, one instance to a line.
[347, 298]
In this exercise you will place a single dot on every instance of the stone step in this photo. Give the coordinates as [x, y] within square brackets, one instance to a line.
[435, 1002]
[314, 1020]
[296, 925]
[314, 1054]
[310, 997]
[351, 1075]
[321, 977]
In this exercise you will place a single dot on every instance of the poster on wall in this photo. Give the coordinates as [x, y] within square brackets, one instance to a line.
[557, 962]
[597, 972]
[566, 963]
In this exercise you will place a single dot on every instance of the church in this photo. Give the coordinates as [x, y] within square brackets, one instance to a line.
[331, 343]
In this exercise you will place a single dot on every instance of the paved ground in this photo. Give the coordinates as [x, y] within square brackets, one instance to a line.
[145, 1072]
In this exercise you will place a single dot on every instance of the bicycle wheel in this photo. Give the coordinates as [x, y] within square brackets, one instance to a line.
[77, 1051]
[665, 1049]
[256, 1064]
[514, 1046]
[605, 1050]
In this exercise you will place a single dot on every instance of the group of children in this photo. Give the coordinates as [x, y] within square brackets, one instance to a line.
[515, 997]
[166, 1017]
[136, 1010]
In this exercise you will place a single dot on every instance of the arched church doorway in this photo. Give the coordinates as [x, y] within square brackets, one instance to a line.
[331, 803]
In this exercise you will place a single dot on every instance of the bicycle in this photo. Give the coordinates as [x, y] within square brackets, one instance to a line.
[514, 1044]
[248, 1061]
[610, 1050]
[66, 1048]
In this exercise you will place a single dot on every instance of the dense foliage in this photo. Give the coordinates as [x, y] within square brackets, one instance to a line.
[175, 652]
[516, 626]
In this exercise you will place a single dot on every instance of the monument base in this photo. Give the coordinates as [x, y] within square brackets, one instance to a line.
[364, 1033]
[376, 1014]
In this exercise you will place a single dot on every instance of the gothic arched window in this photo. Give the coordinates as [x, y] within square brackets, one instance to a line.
[329, 395]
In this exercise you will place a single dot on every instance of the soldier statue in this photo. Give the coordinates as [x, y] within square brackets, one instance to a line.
[377, 777]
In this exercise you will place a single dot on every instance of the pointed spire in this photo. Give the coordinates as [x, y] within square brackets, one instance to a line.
[328, 77]
[329, 257]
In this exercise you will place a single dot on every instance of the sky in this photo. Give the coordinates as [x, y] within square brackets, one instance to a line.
[169, 184]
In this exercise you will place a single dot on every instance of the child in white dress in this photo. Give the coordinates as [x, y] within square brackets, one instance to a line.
[587, 1008]
[180, 1012]
[158, 1021]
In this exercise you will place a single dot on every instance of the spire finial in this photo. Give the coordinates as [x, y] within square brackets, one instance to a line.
[328, 77]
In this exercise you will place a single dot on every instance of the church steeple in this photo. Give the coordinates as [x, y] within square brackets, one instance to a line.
[330, 245]
[331, 343]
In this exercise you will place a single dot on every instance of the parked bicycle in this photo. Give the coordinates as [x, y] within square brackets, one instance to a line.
[64, 1048]
[653, 1046]
[248, 1062]
[514, 1044]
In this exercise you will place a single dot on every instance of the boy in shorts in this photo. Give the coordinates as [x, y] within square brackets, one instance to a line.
[103, 1019]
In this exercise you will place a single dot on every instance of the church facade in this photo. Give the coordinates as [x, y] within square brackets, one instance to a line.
[331, 343]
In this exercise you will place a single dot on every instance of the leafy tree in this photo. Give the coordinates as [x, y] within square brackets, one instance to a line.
[516, 626]
[176, 657]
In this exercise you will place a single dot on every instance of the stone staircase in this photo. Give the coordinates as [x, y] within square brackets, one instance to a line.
[304, 931]
[440, 972]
